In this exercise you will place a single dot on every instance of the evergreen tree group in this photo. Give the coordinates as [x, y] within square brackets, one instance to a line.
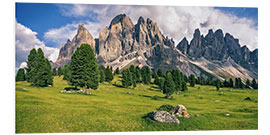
[146, 75]
[38, 71]
[84, 69]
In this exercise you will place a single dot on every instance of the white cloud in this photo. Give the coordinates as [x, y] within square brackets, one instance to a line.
[26, 40]
[175, 22]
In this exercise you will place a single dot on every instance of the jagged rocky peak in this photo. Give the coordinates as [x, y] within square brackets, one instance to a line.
[183, 45]
[66, 51]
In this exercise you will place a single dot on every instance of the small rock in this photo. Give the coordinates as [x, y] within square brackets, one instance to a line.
[196, 115]
[228, 114]
[221, 93]
[217, 101]
[50, 85]
[181, 111]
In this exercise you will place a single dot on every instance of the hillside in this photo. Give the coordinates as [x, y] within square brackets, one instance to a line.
[112, 108]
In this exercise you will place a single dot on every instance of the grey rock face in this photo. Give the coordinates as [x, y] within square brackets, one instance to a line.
[163, 116]
[122, 43]
[66, 51]
[217, 47]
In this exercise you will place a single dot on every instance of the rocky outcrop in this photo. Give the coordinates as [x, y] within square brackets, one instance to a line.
[217, 48]
[66, 51]
[122, 43]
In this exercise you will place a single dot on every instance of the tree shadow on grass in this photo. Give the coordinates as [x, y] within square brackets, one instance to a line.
[117, 85]
[71, 88]
[155, 97]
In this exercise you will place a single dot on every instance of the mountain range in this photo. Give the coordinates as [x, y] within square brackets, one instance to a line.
[123, 43]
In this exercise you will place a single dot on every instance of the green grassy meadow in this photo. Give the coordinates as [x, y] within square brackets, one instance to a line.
[111, 109]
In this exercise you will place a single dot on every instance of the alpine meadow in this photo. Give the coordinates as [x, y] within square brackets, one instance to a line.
[132, 75]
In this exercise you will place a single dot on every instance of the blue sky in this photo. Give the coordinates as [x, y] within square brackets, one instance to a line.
[48, 26]
[42, 17]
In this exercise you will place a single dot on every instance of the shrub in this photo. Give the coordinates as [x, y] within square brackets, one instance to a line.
[166, 107]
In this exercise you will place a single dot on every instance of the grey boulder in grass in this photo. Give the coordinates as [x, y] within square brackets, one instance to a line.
[163, 116]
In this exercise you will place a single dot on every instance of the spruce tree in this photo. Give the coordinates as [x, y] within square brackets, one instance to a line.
[192, 80]
[31, 69]
[248, 84]
[84, 69]
[54, 72]
[138, 74]
[101, 75]
[254, 84]
[177, 79]
[20, 75]
[217, 84]
[161, 83]
[169, 86]
[146, 75]
[59, 71]
[231, 85]
[43, 76]
[156, 81]
[67, 73]
[117, 71]
[126, 78]
[108, 74]
[160, 73]
[184, 86]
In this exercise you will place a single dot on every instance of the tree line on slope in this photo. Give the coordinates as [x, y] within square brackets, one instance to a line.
[84, 72]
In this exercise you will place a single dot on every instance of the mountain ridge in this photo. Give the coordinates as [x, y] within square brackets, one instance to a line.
[143, 44]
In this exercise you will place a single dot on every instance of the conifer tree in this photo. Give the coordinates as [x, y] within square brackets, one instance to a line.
[117, 71]
[138, 74]
[161, 83]
[101, 75]
[156, 81]
[126, 78]
[248, 84]
[84, 69]
[177, 79]
[254, 84]
[146, 75]
[20, 75]
[31, 69]
[217, 84]
[59, 71]
[184, 86]
[39, 72]
[108, 74]
[169, 86]
[54, 72]
[192, 80]
[231, 85]
[67, 73]
[160, 73]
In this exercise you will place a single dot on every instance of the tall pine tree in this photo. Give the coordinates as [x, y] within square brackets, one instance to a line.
[108, 74]
[169, 86]
[192, 80]
[84, 69]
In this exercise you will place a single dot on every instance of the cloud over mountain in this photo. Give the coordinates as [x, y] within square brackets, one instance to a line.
[175, 22]
[26, 39]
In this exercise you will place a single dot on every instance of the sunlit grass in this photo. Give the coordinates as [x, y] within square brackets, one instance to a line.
[110, 108]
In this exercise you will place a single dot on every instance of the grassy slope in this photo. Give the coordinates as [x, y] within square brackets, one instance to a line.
[109, 108]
